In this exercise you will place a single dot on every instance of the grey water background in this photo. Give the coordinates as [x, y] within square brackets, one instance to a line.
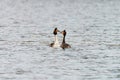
[93, 31]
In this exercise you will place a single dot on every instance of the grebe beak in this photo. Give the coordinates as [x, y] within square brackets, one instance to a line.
[58, 31]
[62, 32]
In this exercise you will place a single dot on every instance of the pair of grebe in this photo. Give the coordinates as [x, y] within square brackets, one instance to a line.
[56, 44]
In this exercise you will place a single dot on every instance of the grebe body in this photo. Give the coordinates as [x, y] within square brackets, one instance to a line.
[64, 44]
[55, 44]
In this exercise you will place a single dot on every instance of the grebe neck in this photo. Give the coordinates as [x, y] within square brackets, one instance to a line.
[63, 39]
[56, 43]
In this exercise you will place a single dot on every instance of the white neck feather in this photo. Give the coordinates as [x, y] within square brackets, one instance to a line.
[56, 43]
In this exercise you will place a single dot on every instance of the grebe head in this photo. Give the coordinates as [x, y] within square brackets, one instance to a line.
[64, 32]
[55, 31]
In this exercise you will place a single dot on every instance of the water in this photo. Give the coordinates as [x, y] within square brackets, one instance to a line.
[93, 31]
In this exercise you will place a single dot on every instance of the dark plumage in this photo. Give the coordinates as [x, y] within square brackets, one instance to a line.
[64, 44]
[51, 45]
[55, 31]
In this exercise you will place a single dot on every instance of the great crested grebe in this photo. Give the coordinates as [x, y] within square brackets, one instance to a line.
[55, 44]
[64, 44]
